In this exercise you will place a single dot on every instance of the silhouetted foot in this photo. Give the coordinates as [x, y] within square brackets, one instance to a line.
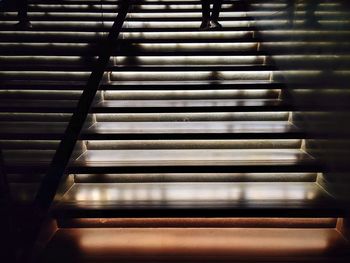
[24, 25]
[215, 24]
[205, 25]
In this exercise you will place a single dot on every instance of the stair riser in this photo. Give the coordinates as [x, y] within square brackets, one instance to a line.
[198, 222]
[188, 177]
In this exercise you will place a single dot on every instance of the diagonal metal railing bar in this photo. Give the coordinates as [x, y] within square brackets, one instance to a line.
[56, 171]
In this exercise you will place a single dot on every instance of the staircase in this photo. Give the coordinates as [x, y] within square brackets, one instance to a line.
[189, 153]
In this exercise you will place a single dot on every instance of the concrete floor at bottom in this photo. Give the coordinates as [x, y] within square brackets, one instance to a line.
[196, 244]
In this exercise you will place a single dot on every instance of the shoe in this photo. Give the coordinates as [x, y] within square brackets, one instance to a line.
[24, 25]
[205, 25]
[215, 24]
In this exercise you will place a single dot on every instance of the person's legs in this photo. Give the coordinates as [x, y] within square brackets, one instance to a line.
[205, 9]
[205, 14]
[22, 6]
[215, 13]
[207, 19]
[290, 12]
[310, 12]
[216, 10]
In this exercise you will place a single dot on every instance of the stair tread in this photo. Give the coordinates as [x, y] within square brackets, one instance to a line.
[192, 83]
[87, 16]
[144, 37]
[189, 67]
[233, 28]
[190, 157]
[25, 186]
[210, 160]
[161, 67]
[190, 103]
[192, 127]
[102, 26]
[144, 2]
[190, 195]
[136, 7]
[79, 85]
[50, 15]
[100, 129]
[92, 50]
[147, 105]
[187, 177]
[135, 85]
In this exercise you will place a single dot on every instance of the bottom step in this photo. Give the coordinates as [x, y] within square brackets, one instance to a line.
[196, 245]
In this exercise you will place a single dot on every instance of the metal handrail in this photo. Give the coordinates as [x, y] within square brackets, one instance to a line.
[56, 171]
